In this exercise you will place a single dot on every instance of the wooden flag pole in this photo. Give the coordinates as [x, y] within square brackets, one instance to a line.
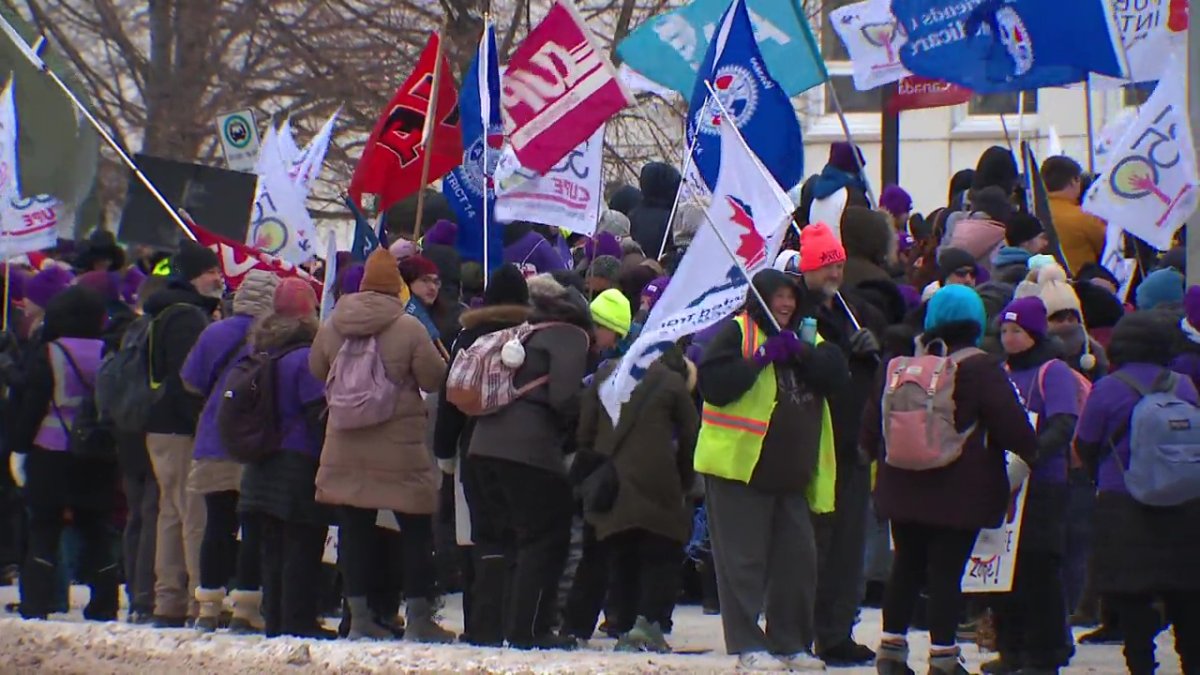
[426, 133]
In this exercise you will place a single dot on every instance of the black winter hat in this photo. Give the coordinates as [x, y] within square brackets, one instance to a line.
[1022, 227]
[953, 259]
[192, 260]
[997, 167]
[100, 245]
[506, 287]
[1101, 309]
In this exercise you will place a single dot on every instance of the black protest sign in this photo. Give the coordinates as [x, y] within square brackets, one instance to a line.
[217, 199]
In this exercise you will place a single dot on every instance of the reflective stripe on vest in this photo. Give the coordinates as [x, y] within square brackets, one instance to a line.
[731, 436]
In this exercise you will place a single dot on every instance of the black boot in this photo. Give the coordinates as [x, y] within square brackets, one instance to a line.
[487, 601]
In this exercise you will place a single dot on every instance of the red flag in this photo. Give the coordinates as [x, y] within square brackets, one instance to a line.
[558, 89]
[391, 162]
[915, 92]
[237, 259]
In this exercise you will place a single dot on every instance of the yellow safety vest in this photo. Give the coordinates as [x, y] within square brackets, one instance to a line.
[731, 436]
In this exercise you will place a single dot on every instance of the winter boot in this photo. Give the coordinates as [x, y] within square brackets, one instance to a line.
[892, 659]
[1001, 666]
[644, 637]
[362, 622]
[421, 626]
[211, 601]
[247, 613]
[947, 663]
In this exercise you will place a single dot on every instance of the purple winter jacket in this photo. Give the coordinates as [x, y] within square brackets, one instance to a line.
[534, 255]
[219, 346]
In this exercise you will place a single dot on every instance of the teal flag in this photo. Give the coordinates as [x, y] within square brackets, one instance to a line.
[670, 47]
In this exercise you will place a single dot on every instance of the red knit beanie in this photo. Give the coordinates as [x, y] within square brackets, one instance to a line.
[416, 266]
[819, 247]
[295, 298]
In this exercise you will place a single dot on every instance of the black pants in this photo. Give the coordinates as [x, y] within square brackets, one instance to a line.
[589, 588]
[221, 558]
[357, 543]
[645, 576]
[1141, 622]
[138, 540]
[99, 567]
[932, 558]
[524, 512]
[1031, 620]
[841, 556]
[291, 557]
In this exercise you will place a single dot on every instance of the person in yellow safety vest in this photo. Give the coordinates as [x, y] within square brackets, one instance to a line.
[767, 455]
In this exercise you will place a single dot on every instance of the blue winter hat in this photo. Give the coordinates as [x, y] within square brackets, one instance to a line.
[1160, 287]
[954, 303]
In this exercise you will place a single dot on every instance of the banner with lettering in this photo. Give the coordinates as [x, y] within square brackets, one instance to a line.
[558, 89]
[993, 561]
[567, 196]
[1152, 31]
[33, 224]
[873, 41]
[1149, 187]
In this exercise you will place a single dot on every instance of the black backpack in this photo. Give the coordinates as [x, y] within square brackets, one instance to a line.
[248, 414]
[91, 435]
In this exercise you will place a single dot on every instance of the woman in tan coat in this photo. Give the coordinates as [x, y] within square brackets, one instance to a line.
[385, 466]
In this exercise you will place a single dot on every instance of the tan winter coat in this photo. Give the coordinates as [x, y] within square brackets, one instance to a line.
[385, 466]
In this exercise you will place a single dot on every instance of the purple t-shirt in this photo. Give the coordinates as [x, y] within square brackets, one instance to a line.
[1109, 408]
[199, 373]
[1059, 395]
[296, 389]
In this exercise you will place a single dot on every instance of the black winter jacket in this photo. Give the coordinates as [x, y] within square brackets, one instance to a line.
[174, 333]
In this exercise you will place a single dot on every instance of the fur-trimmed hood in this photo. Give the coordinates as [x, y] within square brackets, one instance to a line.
[506, 314]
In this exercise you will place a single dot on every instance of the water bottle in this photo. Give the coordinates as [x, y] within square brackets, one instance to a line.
[808, 330]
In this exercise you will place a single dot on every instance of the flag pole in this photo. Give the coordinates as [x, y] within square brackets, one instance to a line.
[1020, 118]
[742, 268]
[689, 148]
[31, 54]
[7, 280]
[1091, 133]
[485, 50]
[430, 113]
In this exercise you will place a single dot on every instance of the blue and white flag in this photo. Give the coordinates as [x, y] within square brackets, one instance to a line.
[760, 108]
[669, 48]
[1010, 45]
[365, 240]
[749, 210]
[469, 188]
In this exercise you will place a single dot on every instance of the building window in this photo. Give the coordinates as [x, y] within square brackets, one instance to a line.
[841, 79]
[1001, 104]
[1136, 95]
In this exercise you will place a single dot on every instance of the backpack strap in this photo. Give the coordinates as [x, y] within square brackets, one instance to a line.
[223, 363]
[70, 360]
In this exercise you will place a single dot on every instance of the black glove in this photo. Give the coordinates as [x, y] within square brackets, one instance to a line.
[864, 343]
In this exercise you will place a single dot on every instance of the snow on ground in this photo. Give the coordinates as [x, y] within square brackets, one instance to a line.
[67, 644]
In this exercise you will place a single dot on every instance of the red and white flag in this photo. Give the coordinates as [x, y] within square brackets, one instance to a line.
[915, 92]
[558, 89]
[237, 259]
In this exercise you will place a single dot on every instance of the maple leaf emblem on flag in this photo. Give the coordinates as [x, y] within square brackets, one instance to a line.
[751, 247]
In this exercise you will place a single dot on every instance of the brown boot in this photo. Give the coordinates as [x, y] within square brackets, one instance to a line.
[210, 601]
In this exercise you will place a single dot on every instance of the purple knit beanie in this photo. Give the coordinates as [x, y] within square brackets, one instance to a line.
[46, 284]
[106, 284]
[443, 233]
[895, 200]
[841, 156]
[351, 279]
[1029, 313]
[131, 281]
[602, 244]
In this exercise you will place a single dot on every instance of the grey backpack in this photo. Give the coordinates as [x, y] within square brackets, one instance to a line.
[1164, 444]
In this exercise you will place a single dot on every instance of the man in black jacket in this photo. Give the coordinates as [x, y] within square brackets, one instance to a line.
[505, 304]
[180, 313]
[841, 535]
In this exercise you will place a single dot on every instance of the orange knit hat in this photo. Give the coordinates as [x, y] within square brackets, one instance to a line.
[819, 247]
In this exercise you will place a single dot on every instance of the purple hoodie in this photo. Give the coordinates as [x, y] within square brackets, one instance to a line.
[200, 374]
[532, 254]
[1109, 407]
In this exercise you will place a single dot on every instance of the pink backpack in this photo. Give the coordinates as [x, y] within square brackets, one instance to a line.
[357, 390]
[481, 378]
[918, 410]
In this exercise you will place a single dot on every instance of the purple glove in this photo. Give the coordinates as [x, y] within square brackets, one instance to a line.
[777, 349]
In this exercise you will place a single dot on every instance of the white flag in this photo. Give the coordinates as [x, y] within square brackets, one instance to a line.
[26, 225]
[1113, 259]
[873, 40]
[709, 285]
[1152, 34]
[287, 142]
[331, 270]
[567, 196]
[280, 224]
[306, 167]
[1149, 187]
